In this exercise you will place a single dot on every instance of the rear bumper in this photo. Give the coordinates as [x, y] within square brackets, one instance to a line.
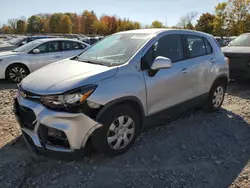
[239, 74]
[39, 124]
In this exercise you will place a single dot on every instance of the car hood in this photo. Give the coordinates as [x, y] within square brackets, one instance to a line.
[65, 75]
[236, 49]
[9, 54]
[5, 44]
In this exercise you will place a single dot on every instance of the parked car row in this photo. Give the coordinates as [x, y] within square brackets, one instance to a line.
[20, 56]
[238, 68]
[224, 41]
[12, 42]
[17, 64]
[91, 40]
[238, 53]
[19, 41]
[105, 95]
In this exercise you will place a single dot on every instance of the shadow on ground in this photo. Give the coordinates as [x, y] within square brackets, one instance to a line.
[200, 150]
[5, 84]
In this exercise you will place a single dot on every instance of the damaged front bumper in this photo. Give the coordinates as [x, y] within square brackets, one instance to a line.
[52, 130]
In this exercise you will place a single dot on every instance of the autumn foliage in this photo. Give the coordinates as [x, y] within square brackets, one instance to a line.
[86, 23]
[231, 17]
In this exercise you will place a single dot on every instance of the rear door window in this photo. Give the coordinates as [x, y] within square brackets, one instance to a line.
[69, 45]
[54, 46]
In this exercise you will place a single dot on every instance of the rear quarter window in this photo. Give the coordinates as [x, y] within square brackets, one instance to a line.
[216, 42]
[209, 48]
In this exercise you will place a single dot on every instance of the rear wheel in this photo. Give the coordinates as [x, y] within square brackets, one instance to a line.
[119, 131]
[216, 97]
[16, 73]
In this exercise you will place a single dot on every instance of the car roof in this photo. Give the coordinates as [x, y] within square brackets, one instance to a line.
[40, 36]
[155, 31]
[59, 39]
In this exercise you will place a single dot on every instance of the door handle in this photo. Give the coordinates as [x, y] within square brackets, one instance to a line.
[184, 71]
[212, 60]
[57, 56]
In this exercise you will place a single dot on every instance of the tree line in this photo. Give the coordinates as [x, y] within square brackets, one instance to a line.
[228, 19]
[87, 23]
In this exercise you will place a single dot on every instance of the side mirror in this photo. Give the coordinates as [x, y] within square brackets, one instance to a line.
[36, 51]
[161, 63]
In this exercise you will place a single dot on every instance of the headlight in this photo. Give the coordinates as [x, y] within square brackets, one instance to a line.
[70, 99]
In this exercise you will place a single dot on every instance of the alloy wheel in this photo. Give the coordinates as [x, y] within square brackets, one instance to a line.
[218, 96]
[17, 74]
[121, 132]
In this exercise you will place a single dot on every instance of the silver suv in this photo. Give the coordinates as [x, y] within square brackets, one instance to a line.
[107, 94]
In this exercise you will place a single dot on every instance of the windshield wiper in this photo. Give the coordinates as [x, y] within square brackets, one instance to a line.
[91, 62]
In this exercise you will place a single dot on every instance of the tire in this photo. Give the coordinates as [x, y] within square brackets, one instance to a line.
[113, 130]
[16, 72]
[213, 103]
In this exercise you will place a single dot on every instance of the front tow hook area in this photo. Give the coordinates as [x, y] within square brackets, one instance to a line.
[30, 145]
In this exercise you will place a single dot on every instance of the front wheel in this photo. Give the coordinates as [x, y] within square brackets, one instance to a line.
[16, 73]
[216, 97]
[119, 131]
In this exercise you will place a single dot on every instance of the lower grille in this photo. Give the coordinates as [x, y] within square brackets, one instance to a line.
[25, 115]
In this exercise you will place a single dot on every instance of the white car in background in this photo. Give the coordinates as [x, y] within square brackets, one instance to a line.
[17, 64]
[11, 44]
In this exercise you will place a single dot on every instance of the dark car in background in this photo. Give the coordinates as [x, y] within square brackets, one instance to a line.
[11, 44]
[238, 53]
[91, 40]
[223, 41]
[31, 38]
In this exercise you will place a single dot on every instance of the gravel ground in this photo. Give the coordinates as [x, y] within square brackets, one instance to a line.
[198, 150]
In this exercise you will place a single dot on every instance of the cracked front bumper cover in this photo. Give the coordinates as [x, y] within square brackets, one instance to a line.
[76, 126]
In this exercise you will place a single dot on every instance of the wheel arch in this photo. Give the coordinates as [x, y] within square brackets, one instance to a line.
[132, 101]
[13, 64]
[222, 78]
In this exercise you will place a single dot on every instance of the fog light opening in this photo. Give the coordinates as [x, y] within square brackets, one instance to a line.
[56, 133]
[57, 138]
[93, 105]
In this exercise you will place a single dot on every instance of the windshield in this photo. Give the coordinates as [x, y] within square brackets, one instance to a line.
[115, 49]
[242, 40]
[28, 47]
[15, 41]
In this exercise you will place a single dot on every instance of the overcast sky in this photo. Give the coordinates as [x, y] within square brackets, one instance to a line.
[144, 11]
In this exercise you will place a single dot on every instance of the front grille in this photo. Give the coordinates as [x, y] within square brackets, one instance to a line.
[26, 116]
